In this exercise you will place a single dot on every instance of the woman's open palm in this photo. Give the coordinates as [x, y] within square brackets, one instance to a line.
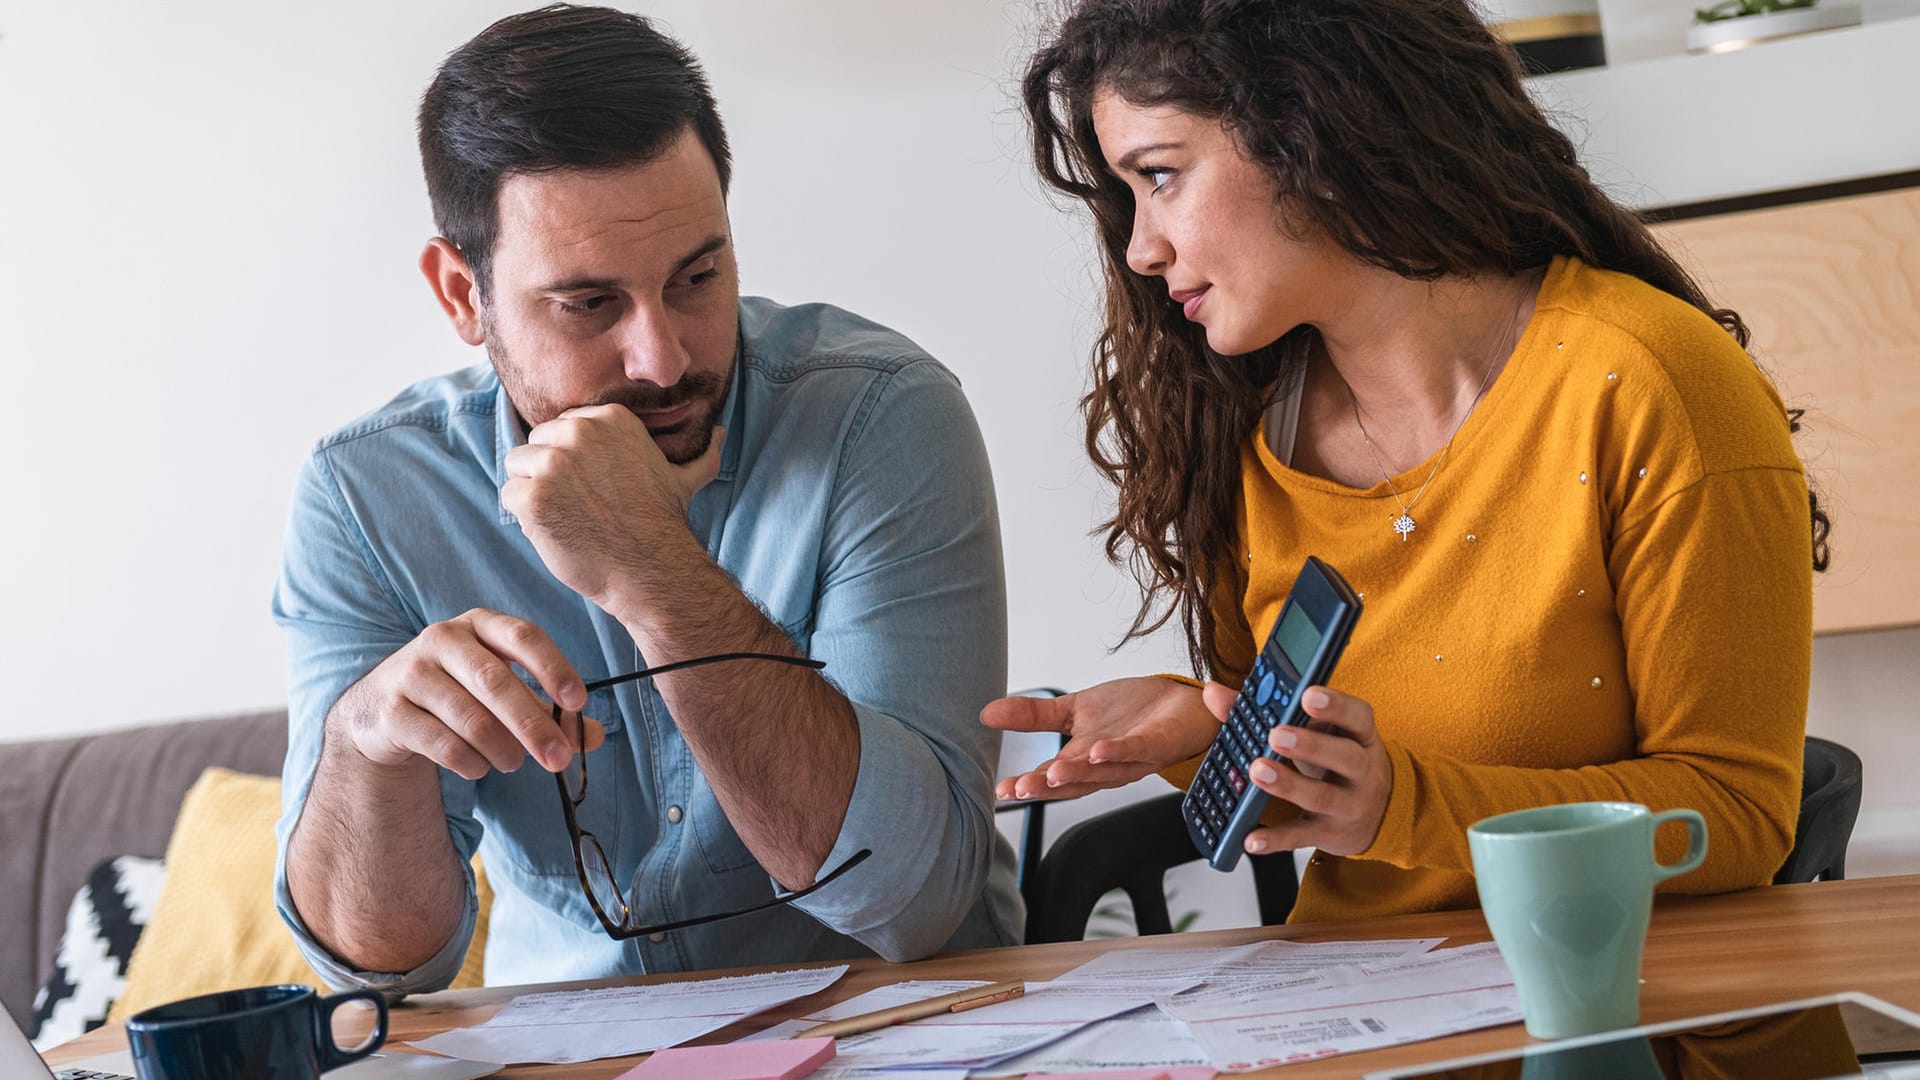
[1117, 732]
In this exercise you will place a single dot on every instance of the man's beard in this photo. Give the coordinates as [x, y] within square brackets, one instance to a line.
[681, 443]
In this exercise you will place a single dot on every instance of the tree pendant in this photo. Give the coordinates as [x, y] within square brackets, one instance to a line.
[1403, 525]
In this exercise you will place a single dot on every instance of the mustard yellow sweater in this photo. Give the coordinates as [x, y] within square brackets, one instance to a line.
[1608, 596]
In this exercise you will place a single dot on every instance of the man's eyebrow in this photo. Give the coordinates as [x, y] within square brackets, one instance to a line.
[1131, 159]
[707, 247]
[596, 284]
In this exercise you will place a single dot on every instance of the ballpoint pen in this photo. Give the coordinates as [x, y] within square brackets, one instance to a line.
[959, 1001]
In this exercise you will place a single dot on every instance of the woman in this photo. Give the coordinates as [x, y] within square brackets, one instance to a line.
[1364, 303]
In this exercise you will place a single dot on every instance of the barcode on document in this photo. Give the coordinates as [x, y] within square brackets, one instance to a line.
[1373, 1025]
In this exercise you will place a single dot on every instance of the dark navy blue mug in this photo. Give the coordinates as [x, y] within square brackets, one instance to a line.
[261, 1033]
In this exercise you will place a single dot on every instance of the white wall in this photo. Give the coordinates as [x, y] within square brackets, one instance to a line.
[209, 214]
[208, 225]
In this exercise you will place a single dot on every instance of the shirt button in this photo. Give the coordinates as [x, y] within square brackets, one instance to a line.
[673, 814]
[656, 938]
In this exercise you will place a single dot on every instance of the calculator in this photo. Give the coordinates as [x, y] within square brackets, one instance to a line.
[1222, 805]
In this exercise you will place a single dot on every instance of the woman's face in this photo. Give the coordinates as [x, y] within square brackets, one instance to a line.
[1209, 221]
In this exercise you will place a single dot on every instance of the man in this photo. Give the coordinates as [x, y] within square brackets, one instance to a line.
[651, 469]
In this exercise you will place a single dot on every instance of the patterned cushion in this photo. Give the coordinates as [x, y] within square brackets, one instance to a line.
[90, 966]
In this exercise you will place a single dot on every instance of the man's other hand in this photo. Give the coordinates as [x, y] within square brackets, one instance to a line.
[450, 696]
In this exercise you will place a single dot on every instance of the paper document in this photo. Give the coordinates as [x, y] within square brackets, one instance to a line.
[1143, 1038]
[884, 997]
[977, 1037]
[1258, 961]
[1293, 1017]
[1147, 1038]
[567, 1026]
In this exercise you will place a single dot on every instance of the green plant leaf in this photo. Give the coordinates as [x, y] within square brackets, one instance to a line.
[1734, 9]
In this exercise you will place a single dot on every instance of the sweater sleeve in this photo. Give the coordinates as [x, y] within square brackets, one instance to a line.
[1713, 588]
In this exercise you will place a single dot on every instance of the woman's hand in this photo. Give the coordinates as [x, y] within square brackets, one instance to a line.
[1337, 773]
[1117, 732]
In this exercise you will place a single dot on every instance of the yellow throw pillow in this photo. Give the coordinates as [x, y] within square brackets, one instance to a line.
[215, 926]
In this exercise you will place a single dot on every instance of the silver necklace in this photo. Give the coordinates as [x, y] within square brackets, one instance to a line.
[1404, 523]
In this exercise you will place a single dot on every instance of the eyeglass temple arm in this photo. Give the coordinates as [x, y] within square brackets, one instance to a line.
[853, 860]
[662, 669]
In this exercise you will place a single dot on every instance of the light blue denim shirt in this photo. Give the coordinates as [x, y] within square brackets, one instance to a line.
[853, 504]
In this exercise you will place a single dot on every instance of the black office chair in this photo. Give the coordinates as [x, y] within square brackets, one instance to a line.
[1829, 805]
[1022, 751]
[1131, 849]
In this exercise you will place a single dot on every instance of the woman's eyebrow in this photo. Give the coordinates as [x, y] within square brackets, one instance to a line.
[1131, 159]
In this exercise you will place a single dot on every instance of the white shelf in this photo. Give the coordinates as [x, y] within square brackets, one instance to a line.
[1826, 107]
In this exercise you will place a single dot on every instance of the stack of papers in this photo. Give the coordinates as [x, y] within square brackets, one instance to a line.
[1251, 1024]
[977, 1038]
[564, 1026]
[1233, 1009]
[1155, 1037]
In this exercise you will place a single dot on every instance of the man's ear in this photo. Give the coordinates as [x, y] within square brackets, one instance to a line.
[453, 285]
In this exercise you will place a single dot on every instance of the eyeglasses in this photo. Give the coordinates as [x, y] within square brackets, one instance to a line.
[590, 860]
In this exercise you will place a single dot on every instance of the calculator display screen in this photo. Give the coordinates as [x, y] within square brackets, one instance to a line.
[1297, 636]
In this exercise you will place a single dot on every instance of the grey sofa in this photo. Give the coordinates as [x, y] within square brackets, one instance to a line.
[66, 805]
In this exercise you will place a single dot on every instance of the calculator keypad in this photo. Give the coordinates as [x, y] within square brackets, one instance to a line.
[1217, 789]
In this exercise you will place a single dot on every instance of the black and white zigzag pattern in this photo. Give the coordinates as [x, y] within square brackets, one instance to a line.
[90, 966]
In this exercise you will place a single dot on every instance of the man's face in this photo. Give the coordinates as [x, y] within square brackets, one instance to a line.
[617, 286]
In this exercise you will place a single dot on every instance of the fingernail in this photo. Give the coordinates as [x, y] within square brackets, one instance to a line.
[1283, 738]
[1256, 844]
[1263, 772]
[1315, 698]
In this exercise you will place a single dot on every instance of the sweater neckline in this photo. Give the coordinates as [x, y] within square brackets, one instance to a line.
[1520, 367]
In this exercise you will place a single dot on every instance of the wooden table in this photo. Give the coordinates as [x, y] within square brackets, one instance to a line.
[1704, 954]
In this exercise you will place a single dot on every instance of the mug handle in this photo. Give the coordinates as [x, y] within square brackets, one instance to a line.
[331, 1055]
[1696, 843]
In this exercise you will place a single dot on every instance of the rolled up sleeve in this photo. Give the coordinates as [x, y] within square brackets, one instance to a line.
[911, 619]
[341, 619]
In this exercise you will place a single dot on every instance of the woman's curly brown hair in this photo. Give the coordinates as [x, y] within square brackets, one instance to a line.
[1397, 128]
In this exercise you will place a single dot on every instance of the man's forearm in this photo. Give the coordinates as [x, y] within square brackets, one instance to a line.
[778, 744]
[370, 866]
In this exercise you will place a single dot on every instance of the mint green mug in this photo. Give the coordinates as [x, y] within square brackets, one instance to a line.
[1566, 891]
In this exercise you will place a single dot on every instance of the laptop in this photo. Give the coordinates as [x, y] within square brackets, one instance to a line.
[1840, 1035]
[18, 1059]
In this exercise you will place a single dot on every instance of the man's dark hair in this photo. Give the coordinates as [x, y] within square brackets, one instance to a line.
[557, 88]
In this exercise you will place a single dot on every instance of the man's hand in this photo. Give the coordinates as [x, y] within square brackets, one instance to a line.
[596, 496]
[450, 696]
[1117, 732]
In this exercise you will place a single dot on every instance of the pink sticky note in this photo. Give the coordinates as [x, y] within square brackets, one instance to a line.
[768, 1059]
[1162, 1073]
[1165, 1072]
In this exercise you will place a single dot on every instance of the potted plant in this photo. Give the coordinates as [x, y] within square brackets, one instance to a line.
[1735, 24]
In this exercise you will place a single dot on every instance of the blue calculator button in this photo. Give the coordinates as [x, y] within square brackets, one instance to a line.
[1265, 693]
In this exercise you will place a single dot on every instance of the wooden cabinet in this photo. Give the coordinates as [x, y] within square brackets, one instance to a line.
[1831, 290]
